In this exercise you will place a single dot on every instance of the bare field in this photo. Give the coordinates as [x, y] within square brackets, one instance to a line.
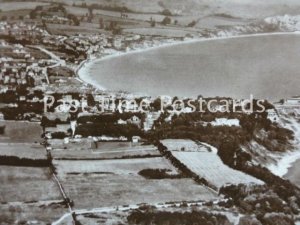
[21, 131]
[23, 150]
[116, 182]
[27, 184]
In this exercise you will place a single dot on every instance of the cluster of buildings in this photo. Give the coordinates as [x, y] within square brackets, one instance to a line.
[21, 30]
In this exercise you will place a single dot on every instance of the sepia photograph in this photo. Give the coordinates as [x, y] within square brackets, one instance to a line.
[149, 112]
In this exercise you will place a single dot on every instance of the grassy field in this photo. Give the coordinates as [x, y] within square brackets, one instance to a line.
[12, 5]
[162, 31]
[105, 150]
[84, 29]
[116, 182]
[21, 131]
[24, 184]
[105, 154]
[120, 167]
[23, 150]
[43, 213]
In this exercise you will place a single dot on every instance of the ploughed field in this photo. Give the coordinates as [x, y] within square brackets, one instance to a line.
[202, 160]
[209, 166]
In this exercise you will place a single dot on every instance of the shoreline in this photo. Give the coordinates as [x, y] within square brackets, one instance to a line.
[284, 166]
[286, 163]
[83, 75]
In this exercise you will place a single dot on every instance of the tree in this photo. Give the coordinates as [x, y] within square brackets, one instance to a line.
[192, 24]
[39, 8]
[33, 14]
[101, 23]
[76, 21]
[91, 12]
[21, 17]
[153, 23]
[166, 20]
[4, 18]
[166, 12]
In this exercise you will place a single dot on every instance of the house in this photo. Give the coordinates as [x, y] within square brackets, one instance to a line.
[272, 115]
[225, 122]
[63, 117]
[136, 139]
[293, 101]
[121, 122]
[22, 98]
[122, 138]
[135, 120]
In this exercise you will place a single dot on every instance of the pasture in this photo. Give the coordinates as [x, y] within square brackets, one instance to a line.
[27, 184]
[23, 150]
[41, 213]
[104, 150]
[21, 132]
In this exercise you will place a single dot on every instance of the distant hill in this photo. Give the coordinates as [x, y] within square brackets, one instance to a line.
[255, 9]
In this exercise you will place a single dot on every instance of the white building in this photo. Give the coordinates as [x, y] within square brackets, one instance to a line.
[272, 115]
[121, 122]
[1, 116]
[225, 122]
[293, 101]
[136, 139]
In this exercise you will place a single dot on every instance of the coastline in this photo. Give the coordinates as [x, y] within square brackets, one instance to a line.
[82, 70]
[286, 161]
[293, 173]
[286, 165]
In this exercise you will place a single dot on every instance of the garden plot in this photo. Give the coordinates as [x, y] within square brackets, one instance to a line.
[93, 184]
[209, 166]
[27, 184]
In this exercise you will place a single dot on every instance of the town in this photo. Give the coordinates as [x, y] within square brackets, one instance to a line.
[73, 153]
